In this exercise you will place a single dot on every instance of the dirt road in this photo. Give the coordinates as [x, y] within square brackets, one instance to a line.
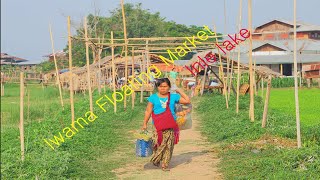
[193, 158]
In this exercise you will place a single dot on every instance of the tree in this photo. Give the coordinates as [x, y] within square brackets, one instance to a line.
[140, 23]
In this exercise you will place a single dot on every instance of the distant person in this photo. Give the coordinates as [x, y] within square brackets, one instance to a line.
[173, 77]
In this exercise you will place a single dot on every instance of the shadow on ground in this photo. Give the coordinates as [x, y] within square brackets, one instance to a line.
[184, 158]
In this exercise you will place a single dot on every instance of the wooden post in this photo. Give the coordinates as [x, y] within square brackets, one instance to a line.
[295, 73]
[56, 66]
[113, 73]
[266, 103]
[126, 52]
[21, 115]
[88, 65]
[251, 110]
[132, 62]
[281, 69]
[70, 70]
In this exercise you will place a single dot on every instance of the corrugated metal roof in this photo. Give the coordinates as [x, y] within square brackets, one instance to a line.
[301, 26]
[280, 59]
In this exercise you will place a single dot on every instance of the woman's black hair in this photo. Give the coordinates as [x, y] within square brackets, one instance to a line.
[162, 80]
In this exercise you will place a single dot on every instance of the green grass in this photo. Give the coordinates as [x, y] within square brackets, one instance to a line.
[249, 161]
[309, 102]
[89, 154]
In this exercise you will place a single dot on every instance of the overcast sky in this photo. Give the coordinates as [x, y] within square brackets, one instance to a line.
[25, 31]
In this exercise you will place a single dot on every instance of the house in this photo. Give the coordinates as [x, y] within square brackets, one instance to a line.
[273, 46]
[11, 60]
[23, 64]
[60, 56]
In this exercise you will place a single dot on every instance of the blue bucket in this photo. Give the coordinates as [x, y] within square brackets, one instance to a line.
[143, 148]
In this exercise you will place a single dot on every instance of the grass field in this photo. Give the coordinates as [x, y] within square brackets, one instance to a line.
[93, 152]
[105, 144]
[251, 152]
[309, 101]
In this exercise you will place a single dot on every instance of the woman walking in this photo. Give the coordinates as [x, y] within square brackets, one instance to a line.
[161, 107]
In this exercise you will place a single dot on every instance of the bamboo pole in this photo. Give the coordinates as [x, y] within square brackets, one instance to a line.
[222, 73]
[147, 56]
[204, 80]
[70, 70]
[228, 76]
[21, 115]
[295, 74]
[141, 70]
[2, 89]
[239, 72]
[262, 87]
[113, 73]
[88, 65]
[126, 52]
[99, 73]
[56, 66]
[28, 115]
[266, 103]
[251, 110]
[132, 62]
[254, 78]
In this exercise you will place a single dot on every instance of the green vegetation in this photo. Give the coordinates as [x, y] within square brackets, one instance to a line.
[245, 153]
[309, 101]
[89, 154]
[140, 23]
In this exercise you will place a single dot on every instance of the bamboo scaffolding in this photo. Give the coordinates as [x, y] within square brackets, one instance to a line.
[70, 70]
[113, 73]
[88, 65]
[56, 66]
[251, 110]
[295, 74]
[21, 126]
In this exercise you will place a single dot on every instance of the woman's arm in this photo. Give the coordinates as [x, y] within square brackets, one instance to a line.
[184, 98]
[147, 115]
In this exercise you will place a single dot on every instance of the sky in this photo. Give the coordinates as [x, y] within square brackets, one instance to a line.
[25, 23]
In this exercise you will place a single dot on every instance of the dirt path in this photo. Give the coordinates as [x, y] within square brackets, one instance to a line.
[193, 158]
